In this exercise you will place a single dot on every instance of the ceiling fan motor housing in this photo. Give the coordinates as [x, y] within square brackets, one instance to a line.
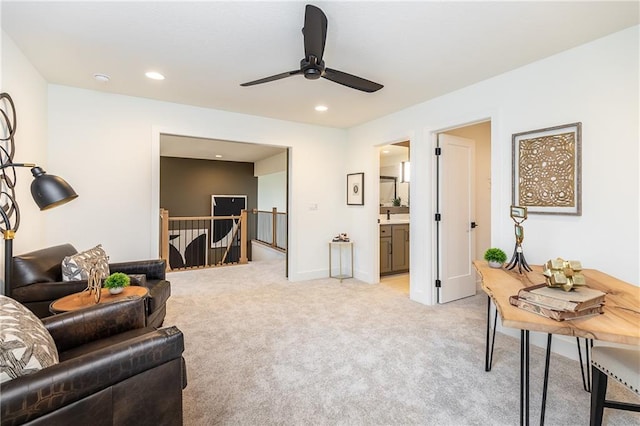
[311, 69]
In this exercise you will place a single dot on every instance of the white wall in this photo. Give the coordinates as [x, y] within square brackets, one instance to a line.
[272, 192]
[274, 164]
[596, 84]
[272, 182]
[108, 146]
[29, 93]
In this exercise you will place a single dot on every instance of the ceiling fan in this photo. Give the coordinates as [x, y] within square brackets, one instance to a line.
[312, 66]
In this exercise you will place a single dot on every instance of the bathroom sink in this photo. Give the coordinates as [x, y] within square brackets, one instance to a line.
[393, 221]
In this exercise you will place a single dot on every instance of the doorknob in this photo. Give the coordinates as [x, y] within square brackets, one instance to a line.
[474, 225]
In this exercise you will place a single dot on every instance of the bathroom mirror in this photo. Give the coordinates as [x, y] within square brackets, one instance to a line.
[388, 189]
[392, 187]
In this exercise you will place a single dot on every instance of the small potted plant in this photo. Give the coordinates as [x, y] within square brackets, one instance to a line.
[495, 257]
[397, 201]
[116, 282]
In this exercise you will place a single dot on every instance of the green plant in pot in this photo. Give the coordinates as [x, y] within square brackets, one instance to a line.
[116, 282]
[397, 201]
[495, 257]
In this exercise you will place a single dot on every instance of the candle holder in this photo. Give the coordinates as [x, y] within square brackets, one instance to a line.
[519, 215]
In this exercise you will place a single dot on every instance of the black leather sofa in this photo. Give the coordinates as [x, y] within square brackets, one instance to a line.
[37, 281]
[112, 371]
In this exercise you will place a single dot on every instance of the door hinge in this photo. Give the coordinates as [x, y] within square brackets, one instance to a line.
[438, 217]
[438, 283]
[438, 151]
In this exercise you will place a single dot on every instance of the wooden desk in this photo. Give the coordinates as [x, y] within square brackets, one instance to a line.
[83, 299]
[619, 323]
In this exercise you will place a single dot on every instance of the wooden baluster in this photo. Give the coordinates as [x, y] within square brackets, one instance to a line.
[164, 237]
[244, 231]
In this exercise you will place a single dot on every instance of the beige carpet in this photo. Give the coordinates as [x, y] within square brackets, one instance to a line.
[263, 351]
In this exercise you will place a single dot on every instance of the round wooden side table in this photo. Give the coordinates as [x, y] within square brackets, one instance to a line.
[84, 299]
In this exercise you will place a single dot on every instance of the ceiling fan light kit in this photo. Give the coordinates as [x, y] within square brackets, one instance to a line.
[102, 78]
[312, 66]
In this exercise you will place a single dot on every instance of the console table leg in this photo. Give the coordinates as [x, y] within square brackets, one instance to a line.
[588, 344]
[524, 377]
[489, 345]
[546, 380]
[487, 363]
[585, 367]
[493, 338]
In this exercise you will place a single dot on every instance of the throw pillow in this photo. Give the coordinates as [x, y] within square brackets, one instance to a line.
[25, 344]
[77, 267]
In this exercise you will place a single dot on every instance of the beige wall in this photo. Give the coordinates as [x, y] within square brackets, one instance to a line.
[481, 134]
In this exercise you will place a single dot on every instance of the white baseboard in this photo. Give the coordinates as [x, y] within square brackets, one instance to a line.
[561, 345]
[262, 252]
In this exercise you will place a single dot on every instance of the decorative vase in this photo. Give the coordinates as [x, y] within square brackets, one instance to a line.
[116, 290]
[495, 264]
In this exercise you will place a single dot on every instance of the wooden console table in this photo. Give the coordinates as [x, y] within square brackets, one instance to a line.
[619, 323]
[83, 299]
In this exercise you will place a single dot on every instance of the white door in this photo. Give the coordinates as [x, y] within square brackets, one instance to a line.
[456, 206]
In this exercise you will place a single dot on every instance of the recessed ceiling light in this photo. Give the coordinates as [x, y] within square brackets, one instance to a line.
[321, 108]
[386, 151]
[102, 78]
[218, 156]
[154, 75]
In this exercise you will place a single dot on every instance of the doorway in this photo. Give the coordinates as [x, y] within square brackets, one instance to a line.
[197, 174]
[394, 215]
[463, 231]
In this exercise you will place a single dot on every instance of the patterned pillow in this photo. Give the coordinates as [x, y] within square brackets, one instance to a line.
[77, 267]
[25, 344]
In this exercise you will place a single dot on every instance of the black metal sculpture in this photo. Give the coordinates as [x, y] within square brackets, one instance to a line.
[519, 215]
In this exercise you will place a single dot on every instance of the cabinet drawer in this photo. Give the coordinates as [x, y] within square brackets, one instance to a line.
[385, 230]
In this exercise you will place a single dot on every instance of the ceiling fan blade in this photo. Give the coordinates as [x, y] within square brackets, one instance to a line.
[312, 66]
[272, 78]
[352, 81]
[314, 31]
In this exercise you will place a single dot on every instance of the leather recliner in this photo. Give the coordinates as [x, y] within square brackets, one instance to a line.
[37, 281]
[112, 371]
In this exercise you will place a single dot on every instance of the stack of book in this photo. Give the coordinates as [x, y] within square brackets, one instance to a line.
[558, 304]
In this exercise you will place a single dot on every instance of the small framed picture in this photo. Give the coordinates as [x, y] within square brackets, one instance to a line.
[355, 189]
[518, 212]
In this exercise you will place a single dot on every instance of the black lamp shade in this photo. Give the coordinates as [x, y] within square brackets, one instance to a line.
[50, 191]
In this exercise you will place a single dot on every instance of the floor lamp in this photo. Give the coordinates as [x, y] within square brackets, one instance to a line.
[48, 191]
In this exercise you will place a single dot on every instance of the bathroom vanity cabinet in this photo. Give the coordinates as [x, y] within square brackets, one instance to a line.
[394, 248]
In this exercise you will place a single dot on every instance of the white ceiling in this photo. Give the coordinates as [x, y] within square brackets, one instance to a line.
[418, 50]
[210, 149]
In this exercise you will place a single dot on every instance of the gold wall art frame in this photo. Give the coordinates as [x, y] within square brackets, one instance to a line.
[547, 170]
